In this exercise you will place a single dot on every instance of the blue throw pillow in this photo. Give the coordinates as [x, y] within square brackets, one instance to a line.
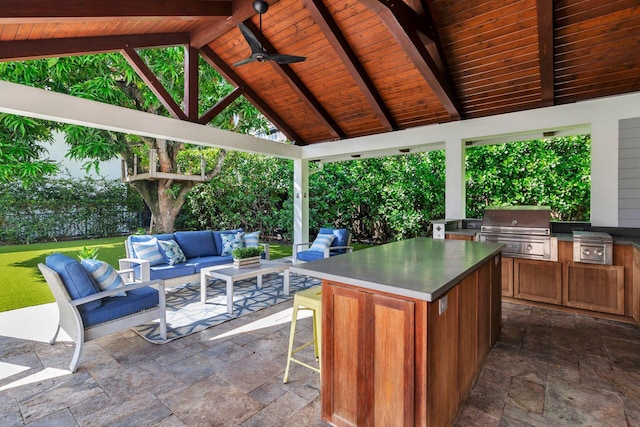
[251, 239]
[231, 242]
[322, 242]
[105, 276]
[172, 251]
[148, 250]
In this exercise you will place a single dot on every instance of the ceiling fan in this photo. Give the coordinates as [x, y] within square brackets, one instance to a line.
[258, 53]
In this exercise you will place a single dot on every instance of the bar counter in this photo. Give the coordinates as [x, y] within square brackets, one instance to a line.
[421, 268]
[405, 329]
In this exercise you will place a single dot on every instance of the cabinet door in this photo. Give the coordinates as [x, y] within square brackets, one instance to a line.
[537, 280]
[507, 277]
[496, 297]
[594, 287]
[368, 358]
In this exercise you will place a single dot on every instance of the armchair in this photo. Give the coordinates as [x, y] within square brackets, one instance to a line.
[92, 313]
[323, 246]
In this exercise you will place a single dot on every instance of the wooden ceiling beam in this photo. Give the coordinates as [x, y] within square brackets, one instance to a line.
[232, 77]
[20, 11]
[154, 84]
[322, 17]
[242, 10]
[305, 95]
[401, 21]
[22, 50]
[220, 106]
[544, 10]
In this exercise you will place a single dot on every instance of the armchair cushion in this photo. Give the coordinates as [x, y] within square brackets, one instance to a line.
[196, 243]
[172, 251]
[230, 242]
[322, 242]
[309, 255]
[112, 308]
[148, 250]
[251, 239]
[75, 278]
[341, 237]
[105, 276]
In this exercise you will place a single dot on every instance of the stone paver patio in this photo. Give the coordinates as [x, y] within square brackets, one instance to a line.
[548, 368]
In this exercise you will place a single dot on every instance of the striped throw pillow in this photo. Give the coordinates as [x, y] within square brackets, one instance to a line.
[148, 250]
[322, 242]
[105, 276]
[251, 239]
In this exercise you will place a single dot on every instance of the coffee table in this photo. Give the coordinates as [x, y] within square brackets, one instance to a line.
[231, 274]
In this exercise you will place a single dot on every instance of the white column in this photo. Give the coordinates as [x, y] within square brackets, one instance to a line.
[300, 201]
[455, 191]
[604, 176]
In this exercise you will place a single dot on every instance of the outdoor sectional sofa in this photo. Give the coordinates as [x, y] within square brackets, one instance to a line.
[155, 257]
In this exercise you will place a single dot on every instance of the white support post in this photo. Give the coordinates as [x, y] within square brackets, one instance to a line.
[604, 176]
[300, 201]
[455, 191]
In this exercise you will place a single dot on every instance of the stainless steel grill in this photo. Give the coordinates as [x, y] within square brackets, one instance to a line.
[525, 230]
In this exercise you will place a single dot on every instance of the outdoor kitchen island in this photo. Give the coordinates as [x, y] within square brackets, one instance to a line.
[405, 328]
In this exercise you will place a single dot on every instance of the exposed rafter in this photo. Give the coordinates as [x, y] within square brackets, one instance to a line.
[332, 32]
[544, 9]
[400, 19]
[287, 73]
[242, 10]
[154, 84]
[23, 50]
[16, 11]
[220, 106]
[231, 76]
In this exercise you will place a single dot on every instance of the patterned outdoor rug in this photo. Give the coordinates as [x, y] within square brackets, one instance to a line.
[187, 315]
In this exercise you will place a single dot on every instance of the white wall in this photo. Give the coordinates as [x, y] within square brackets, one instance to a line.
[59, 149]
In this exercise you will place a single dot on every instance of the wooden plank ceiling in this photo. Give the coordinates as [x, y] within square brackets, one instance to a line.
[373, 65]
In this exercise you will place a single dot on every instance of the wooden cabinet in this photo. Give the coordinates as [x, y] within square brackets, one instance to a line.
[468, 237]
[594, 287]
[537, 280]
[369, 361]
[507, 277]
[396, 361]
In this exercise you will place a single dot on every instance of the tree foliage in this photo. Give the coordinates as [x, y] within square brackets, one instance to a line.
[108, 78]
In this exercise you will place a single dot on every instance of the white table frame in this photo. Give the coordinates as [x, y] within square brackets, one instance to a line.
[231, 274]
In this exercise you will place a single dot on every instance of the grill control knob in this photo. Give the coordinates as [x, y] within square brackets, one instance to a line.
[529, 247]
[586, 252]
[599, 252]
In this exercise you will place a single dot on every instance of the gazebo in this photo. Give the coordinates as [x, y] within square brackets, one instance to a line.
[379, 78]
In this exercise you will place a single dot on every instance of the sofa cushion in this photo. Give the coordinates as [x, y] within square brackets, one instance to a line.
[196, 243]
[251, 239]
[230, 242]
[310, 255]
[322, 242]
[148, 250]
[217, 238]
[209, 261]
[75, 279]
[105, 276]
[166, 271]
[116, 307]
[342, 238]
[172, 251]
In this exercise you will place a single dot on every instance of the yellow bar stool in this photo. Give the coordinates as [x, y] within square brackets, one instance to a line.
[309, 299]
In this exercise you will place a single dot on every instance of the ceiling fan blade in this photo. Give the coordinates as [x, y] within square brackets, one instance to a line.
[254, 43]
[244, 61]
[286, 59]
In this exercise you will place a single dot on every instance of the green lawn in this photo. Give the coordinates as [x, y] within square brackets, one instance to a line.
[22, 284]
